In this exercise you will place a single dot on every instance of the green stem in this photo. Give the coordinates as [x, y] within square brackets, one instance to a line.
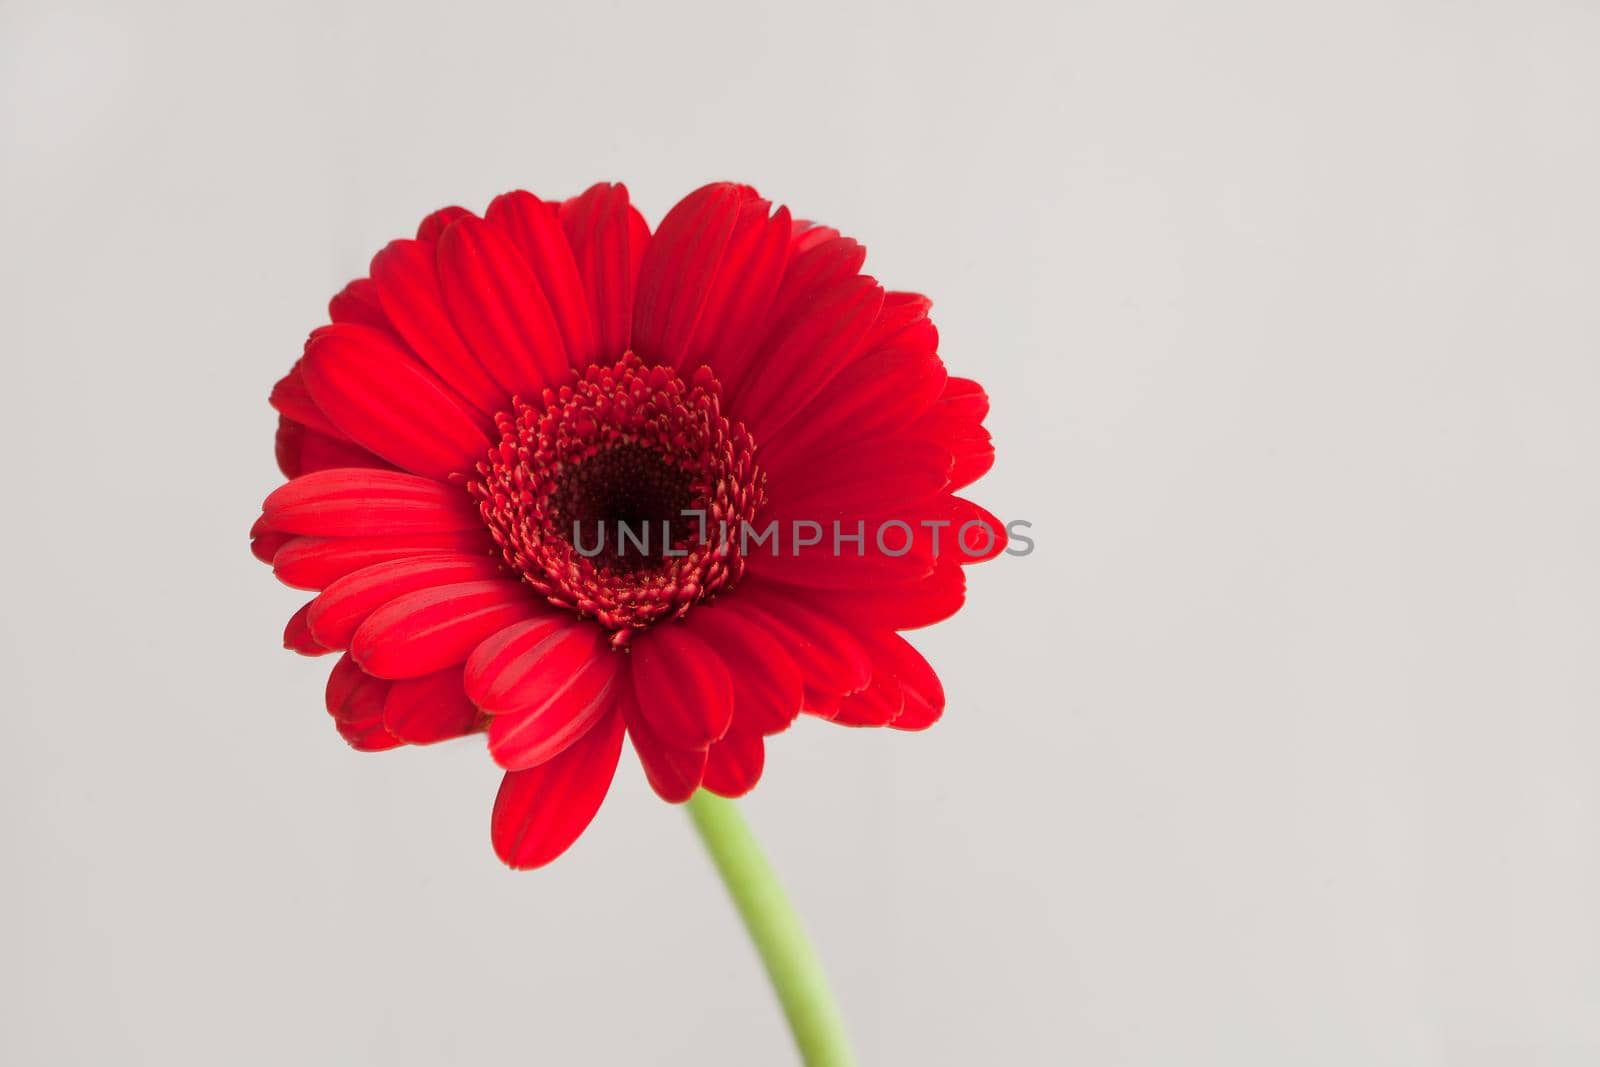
[791, 963]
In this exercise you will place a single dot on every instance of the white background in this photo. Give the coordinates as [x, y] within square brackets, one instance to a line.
[1280, 749]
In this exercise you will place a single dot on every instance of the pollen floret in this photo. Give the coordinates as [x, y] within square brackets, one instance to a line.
[620, 496]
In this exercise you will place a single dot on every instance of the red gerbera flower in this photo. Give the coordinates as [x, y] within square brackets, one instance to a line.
[502, 388]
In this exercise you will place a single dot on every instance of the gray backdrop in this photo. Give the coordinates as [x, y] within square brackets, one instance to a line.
[1280, 749]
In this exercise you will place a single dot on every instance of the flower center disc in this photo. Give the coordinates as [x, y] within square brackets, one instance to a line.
[586, 493]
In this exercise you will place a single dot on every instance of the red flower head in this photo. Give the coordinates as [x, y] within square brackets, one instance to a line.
[560, 480]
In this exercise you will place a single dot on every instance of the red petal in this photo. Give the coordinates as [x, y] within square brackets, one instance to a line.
[808, 235]
[735, 317]
[721, 322]
[407, 281]
[386, 402]
[317, 562]
[793, 365]
[974, 457]
[420, 711]
[433, 227]
[352, 693]
[367, 735]
[903, 324]
[528, 738]
[683, 689]
[680, 267]
[879, 704]
[297, 636]
[964, 399]
[979, 536]
[358, 303]
[819, 260]
[347, 502]
[265, 542]
[817, 566]
[674, 773]
[529, 662]
[832, 663]
[301, 450]
[896, 474]
[291, 399]
[733, 764]
[534, 228]
[922, 603]
[355, 700]
[432, 629]
[546, 681]
[500, 309]
[767, 690]
[608, 239]
[914, 540]
[541, 811]
[957, 420]
[924, 696]
[875, 396]
[346, 603]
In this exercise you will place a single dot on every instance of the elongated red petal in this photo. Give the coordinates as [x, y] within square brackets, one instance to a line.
[903, 324]
[500, 309]
[291, 399]
[355, 700]
[807, 235]
[358, 303]
[546, 681]
[902, 607]
[674, 773]
[819, 566]
[421, 711]
[367, 735]
[297, 635]
[346, 603]
[534, 228]
[406, 276]
[680, 268]
[793, 366]
[300, 450]
[734, 319]
[879, 704]
[978, 535]
[768, 692]
[526, 664]
[352, 693]
[873, 397]
[432, 228]
[733, 764]
[897, 549]
[957, 420]
[682, 686]
[265, 542]
[523, 739]
[924, 696]
[832, 662]
[431, 629]
[385, 401]
[318, 562]
[819, 259]
[710, 278]
[354, 502]
[608, 239]
[901, 474]
[541, 811]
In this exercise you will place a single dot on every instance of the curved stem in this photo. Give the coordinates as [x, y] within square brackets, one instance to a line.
[791, 963]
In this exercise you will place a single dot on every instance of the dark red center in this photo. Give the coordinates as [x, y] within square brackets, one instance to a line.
[621, 495]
